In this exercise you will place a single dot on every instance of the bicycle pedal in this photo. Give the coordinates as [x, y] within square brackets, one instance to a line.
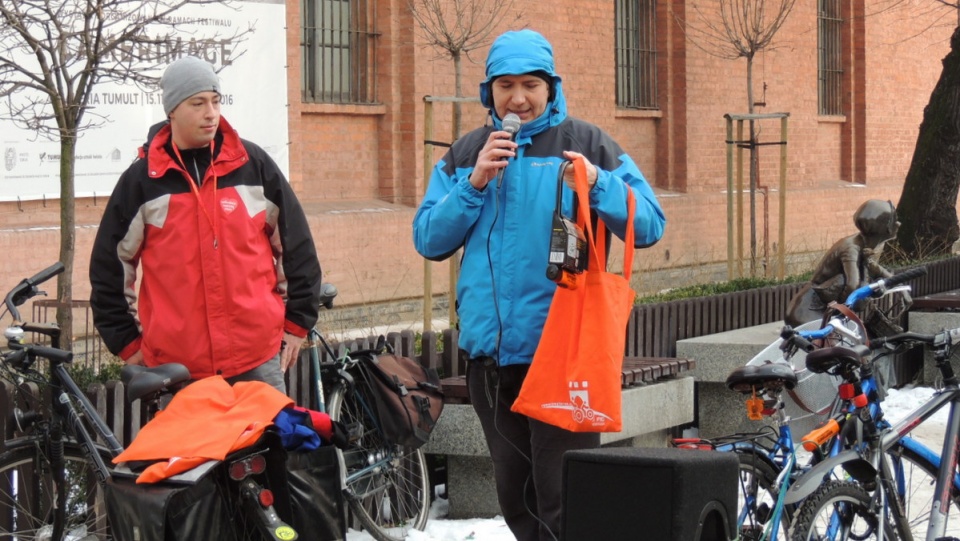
[763, 513]
[751, 533]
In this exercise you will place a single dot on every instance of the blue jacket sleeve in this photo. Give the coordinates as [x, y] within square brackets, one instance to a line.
[447, 213]
[609, 198]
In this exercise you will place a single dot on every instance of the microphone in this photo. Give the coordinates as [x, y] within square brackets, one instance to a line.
[511, 125]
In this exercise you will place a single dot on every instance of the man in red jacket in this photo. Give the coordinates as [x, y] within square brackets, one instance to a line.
[230, 278]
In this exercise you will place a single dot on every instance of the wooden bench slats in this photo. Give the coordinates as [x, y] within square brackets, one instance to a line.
[947, 300]
[636, 370]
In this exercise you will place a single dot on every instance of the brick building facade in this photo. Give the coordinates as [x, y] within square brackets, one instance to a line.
[358, 165]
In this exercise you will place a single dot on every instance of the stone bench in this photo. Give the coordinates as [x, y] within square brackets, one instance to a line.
[721, 411]
[655, 400]
[931, 314]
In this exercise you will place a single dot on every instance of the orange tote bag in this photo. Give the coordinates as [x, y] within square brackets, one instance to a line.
[574, 381]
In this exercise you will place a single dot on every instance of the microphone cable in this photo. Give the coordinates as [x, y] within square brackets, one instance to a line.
[496, 397]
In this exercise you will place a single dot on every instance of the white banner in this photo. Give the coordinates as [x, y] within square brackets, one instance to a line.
[252, 72]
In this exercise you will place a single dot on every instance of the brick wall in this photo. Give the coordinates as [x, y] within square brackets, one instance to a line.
[359, 169]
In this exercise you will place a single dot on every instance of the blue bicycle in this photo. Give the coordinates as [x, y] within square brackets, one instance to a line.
[786, 386]
[886, 485]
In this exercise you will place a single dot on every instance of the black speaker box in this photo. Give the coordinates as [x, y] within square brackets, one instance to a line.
[624, 493]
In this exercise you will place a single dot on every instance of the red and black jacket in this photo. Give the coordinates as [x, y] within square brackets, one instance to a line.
[224, 271]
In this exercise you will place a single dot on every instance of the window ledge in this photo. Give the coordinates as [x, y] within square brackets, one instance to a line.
[834, 119]
[343, 109]
[638, 113]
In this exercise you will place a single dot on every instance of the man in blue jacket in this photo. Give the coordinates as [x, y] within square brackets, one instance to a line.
[495, 196]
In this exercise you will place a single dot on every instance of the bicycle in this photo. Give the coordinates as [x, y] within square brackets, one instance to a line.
[54, 473]
[386, 485]
[882, 485]
[768, 457]
[879, 456]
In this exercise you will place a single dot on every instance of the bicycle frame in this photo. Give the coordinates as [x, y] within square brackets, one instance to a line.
[783, 456]
[871, 462]
[947, 478]
[340, 366]
[66, 410]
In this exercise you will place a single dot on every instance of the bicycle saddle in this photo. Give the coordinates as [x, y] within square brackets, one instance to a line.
[836, 360]
[770, 376]
[141, 381]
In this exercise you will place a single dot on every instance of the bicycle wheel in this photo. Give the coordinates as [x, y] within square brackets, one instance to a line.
[386, 485]
[919, 477]
[837, 511]
[757, 497]
[28, 492]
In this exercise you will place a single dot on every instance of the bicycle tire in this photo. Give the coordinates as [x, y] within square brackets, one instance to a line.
[390, 500]
[757, 496]
[27, 491]
[838, 504]
[920, 476]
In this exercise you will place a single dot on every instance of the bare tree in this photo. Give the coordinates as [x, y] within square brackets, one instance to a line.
[734, 29]
[456, 27]
[927, 207]
[52, 55]
[952, 5]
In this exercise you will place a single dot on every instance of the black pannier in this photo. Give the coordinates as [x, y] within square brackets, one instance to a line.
[316, 494]
[197, 505]
[165, 511]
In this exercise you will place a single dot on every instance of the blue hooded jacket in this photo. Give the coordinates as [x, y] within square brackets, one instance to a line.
[503, 292]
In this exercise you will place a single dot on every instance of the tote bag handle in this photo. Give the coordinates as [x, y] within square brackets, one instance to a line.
[598, 243]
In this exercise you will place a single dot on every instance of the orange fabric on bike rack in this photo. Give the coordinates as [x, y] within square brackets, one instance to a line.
[206, 420]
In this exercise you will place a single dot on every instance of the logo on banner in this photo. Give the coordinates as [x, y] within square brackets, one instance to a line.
[579, 405]
[9, 158]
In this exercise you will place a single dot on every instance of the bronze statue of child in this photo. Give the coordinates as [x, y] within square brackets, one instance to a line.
[850, 263]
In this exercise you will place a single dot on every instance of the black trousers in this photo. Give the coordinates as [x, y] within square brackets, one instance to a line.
[527, 454]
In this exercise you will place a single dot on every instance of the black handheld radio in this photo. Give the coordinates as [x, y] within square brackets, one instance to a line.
[568, 245]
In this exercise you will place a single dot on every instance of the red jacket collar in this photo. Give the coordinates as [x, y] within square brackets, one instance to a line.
[230, 156]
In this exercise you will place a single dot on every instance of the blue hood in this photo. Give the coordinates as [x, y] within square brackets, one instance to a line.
[517, 53]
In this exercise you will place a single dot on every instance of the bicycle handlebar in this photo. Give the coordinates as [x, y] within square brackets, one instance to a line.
[944, 339]
[798, 339]
[328, 292]
[878, 288]
[27, 288]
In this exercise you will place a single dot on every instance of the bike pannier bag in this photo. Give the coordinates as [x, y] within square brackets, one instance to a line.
[316, 494]
[408, 396]
[165, 511]
[198, 505]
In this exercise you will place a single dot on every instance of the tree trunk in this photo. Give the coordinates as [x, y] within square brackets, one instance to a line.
[754, 173]
[458, 92]
[68, 150]
[927, 208]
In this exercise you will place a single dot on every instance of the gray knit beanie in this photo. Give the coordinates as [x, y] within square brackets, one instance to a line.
[185, 77]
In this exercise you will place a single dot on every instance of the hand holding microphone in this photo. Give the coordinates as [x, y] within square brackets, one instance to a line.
[511, 125]
[490, 161]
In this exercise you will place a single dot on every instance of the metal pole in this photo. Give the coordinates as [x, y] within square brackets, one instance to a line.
[455, 258]
[782, 233]
[730, 144]
[739, 198]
